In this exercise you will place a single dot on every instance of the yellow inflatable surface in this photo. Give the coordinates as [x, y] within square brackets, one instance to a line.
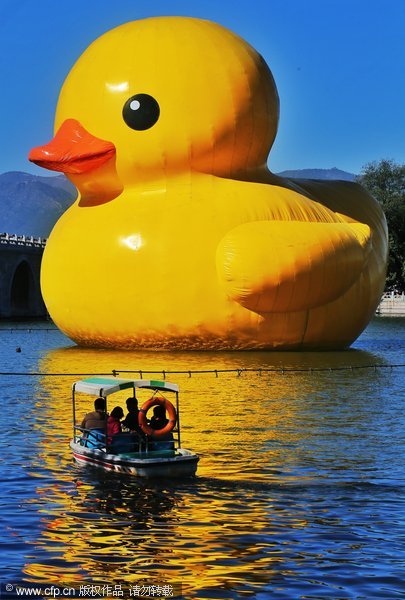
[180, 236]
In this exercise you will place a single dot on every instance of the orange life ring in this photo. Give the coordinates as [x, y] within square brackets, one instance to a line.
[143, 424]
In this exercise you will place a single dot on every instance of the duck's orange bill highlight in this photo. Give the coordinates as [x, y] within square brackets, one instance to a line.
[73, 150]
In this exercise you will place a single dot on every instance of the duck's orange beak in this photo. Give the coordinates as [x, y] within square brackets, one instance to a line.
[73, 150]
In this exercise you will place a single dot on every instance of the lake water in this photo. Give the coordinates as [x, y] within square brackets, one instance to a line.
[299, 491]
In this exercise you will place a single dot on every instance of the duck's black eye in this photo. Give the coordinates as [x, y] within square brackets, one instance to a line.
[141, 112]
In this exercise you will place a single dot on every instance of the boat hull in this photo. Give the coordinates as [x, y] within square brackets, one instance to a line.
[183, 464]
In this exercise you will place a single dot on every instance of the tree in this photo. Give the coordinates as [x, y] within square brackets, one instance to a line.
[385, 180]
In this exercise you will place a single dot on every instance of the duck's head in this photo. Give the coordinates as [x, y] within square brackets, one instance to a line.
[160, 96]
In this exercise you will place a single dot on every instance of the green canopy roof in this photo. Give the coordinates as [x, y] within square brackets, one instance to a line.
[104, 386]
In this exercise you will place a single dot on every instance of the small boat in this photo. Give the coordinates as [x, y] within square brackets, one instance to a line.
[145, 453]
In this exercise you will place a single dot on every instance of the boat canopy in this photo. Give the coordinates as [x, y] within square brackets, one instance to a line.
[104, 386]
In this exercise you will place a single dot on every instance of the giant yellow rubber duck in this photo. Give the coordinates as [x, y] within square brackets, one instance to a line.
[180, 236]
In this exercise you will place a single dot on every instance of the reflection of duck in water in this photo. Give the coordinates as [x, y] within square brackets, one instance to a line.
[180, 236]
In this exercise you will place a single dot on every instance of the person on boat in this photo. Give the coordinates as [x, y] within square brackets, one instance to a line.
[159, 420]
[114, 422]
[97, 418]
[94, 424]
[131, 420]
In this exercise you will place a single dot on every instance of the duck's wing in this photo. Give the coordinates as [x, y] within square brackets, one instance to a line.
[287, 266]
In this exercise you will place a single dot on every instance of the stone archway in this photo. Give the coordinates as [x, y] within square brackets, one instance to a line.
[22, 289]
[20, 264]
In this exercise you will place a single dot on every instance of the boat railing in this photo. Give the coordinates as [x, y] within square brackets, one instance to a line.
[90, 438]
[121, 443]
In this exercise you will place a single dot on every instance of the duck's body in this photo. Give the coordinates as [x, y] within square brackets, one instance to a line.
[194, 243]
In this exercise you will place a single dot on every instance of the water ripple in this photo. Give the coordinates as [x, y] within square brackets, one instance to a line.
[298, 495]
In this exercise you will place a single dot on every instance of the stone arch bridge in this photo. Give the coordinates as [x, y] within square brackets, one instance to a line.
[20, 263]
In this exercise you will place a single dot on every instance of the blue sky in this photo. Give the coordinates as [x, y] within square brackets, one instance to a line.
[338, 64]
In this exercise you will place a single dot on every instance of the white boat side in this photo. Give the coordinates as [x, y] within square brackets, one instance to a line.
[182, 464]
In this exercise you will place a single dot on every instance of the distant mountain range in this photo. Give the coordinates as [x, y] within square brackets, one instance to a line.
[319, 174]
[31, 205]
